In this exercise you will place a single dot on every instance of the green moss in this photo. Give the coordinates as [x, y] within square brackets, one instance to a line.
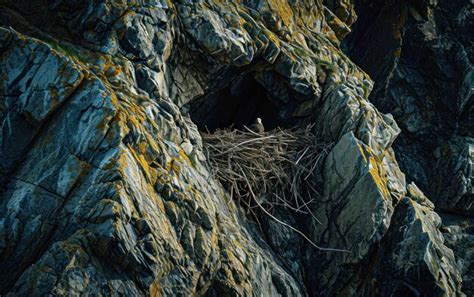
[68, 50]
[366, 90]
[300, 52]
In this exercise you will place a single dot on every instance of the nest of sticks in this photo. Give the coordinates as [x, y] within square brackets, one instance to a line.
[261, 171]
[278, 168]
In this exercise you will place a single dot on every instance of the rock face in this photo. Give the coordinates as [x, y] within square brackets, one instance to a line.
[422, 65]
[105, 190]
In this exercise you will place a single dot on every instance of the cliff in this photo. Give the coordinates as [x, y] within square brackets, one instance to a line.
[106, 189]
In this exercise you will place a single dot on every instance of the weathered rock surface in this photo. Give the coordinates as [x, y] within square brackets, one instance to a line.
[105, 190]
[459, 234]
[420, 56]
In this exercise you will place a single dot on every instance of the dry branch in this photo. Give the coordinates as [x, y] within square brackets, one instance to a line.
[276, 168]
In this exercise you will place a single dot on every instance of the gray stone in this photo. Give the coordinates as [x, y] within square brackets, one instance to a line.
[105, 188]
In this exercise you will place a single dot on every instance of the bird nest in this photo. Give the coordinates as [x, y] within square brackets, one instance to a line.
[261, 171]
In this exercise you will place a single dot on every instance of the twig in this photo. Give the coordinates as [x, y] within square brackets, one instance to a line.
[277, 168]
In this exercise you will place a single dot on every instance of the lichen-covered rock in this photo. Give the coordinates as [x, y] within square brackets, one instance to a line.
[36, 82]
[355, 212]
[99, 191]
[104, 187]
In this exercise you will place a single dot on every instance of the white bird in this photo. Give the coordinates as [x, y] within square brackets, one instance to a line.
[258, 126]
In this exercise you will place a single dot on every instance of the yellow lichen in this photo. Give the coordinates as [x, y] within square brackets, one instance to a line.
[397, 52]
[379, 175]
[155, 289]
[283, 10]
[376, 169]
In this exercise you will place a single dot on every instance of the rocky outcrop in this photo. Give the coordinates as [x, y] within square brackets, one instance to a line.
[420, 56]
[104, 187]
[459, 236]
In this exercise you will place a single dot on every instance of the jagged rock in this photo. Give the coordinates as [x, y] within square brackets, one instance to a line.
[96, 140]
[104, 186]
[355, 213]
[38, 81]
[414, 254]
[459, 234]
[420, 56]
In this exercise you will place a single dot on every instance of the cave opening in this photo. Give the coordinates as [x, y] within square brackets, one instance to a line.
[235, 105]
[262, 172]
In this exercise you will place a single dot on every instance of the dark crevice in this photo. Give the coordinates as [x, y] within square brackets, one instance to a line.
[235, 105]
[33, 18]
